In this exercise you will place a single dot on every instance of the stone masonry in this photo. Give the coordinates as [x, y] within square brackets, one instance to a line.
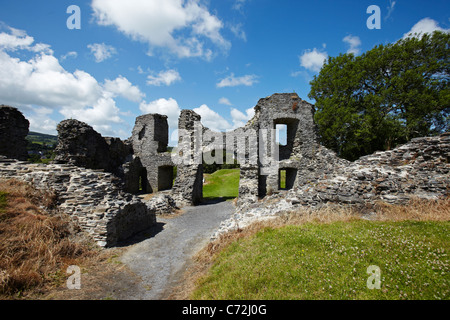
[93, 198]
[149, 141]
[96, 177]
[13, 130]
[417, 170]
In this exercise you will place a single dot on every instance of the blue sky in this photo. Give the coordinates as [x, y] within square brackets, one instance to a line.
[217, 57]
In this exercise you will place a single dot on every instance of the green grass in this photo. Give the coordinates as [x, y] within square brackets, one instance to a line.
[222, 183]
[282, 179]
[330, 261]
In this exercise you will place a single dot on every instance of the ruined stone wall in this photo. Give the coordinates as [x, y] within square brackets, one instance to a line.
[91, 197]
[149, 140]
[13, 131]
[254, 146]
[80, 145]
[419, 169]
[188, 186]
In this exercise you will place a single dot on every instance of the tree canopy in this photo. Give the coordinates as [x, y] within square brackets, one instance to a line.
[384, 97]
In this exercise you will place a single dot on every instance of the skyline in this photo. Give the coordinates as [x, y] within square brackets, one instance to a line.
[217, 58]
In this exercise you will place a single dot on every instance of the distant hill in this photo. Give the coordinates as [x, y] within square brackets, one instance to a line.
[41, 138]
[41, 147]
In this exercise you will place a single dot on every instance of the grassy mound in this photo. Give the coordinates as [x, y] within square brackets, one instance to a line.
[327, 255]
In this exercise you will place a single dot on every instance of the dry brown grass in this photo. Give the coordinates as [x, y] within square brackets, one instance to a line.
[417, 210]
[36, 244]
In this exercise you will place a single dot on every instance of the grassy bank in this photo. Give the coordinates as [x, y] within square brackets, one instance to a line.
[327, 255]
[222, 183]
[35, 242]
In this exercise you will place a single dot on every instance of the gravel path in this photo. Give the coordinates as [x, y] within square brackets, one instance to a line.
[161, 259]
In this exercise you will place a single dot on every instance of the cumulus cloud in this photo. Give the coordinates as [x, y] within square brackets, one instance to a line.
[101, 115]
[313, 60]
[212, 119]
[232, 81]
[168, 107]
[123, 87]
[354, 44]
[164, 78]
[42, 81]
[40, 86]
[182, 27]
[17, 39]
[240, 119]
[40, 120]
[102, 51]
[425, 25]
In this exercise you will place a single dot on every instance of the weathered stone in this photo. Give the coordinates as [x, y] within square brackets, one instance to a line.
[13, 132]
[149, 141]
[96, 200]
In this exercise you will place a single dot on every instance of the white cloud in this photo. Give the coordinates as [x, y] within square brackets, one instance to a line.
[236, 29]
[40, 86]
[212, 119]
[390, 9]
[354, 44]
[168, 107]
[102, 51]
[232, 81]
[71, 54]
[425, 25]
[164, 78]
[239, 118]
[225, 101]
[122, 87]
[19, 40]
[15, 40]
[40, 121]
[238, 4]
[100, 116]
[180, 26]
[42, 81]
[313, 60]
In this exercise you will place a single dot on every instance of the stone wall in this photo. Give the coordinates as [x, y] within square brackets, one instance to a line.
[93, 198]
[254, 145]
[13, 131]
[149, 140]
[102, 200]
[80, 145]
[419, 169]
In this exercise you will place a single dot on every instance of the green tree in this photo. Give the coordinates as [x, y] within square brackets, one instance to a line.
[384, 97]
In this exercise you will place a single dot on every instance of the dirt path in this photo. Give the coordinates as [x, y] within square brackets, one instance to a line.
[159, 260]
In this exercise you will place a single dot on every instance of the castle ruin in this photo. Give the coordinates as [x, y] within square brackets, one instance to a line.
[98, 178]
